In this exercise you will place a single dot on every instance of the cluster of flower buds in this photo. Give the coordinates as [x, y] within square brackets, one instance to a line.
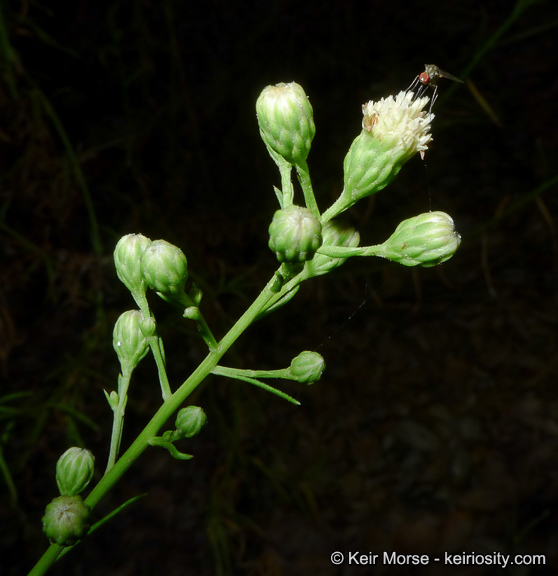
[393, 130]
[66, 518]
[158, 265]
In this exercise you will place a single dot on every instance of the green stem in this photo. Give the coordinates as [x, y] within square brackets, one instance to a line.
[286, 184]
[267, 387]
[194, 313]
[306, 184]
[118, 421]
[340, 205]
[346, 252]
[238, 372]
[155, 345]
[168, 408]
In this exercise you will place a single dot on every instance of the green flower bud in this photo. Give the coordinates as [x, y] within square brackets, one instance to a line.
[190, 421]
[66, 520]
[334, 233]
[148, 326]
[426, 240]
[394, 129]
[128, 340]
[74, 471]
[127, 255]
[165, 268]
[307, 367]
[286, 121]
[294, 234]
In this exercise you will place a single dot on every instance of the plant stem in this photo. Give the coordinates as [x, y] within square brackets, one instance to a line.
[155, 344]
[306, 185]
[168, 408]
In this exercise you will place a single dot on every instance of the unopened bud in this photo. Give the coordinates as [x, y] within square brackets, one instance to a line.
[286, 121]
[127, 255]
[74, 471]
[294, 234]
[164, 268]
[190, 421]
[66, 520]
[307, 367]
[128, 339]
[426, 240]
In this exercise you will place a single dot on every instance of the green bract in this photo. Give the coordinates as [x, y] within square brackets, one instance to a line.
[128, 339]
[426, 240]
[66, 520]
[294, 234]
[74, 471]
[286, 121]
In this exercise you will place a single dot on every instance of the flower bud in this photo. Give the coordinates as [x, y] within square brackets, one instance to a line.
[190, 421]
[128, 339]
[426, 240]
[294, 234]
[307, 367]
[164, 268]
[148, 326]
[334, 233]
[127, 255]
[66, 520]
[74, 471]
[394, 129]
[286, 121]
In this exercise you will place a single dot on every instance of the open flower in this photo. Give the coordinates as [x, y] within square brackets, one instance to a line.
[393, 130]
[399, 122]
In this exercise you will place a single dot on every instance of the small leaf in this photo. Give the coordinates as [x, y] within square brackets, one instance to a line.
[174, 452]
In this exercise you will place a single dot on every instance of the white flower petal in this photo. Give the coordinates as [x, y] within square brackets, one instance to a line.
[401, 121]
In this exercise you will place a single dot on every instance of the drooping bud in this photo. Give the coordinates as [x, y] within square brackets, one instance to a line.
[74, 471]
[394, 129]
[334, 233]
[165, 270]
[128, 339]
[307, 367]
[425, 240]
[66, 520]
[190, 421]
[294, 234]
[286, 121]
[127, 255]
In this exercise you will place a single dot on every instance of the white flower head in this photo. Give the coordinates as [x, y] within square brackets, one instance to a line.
[400, 122]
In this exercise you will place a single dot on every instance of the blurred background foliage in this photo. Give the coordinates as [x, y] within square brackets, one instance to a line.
[435, 426]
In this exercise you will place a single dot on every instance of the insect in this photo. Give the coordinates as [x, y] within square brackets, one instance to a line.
[429, 78]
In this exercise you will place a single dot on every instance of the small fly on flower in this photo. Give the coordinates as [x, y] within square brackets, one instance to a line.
[429, 78]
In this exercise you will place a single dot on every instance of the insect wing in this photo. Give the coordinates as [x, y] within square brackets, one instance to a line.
[434, 72]
[448, 76]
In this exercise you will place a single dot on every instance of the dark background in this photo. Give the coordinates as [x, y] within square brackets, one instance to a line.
[435, 425]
